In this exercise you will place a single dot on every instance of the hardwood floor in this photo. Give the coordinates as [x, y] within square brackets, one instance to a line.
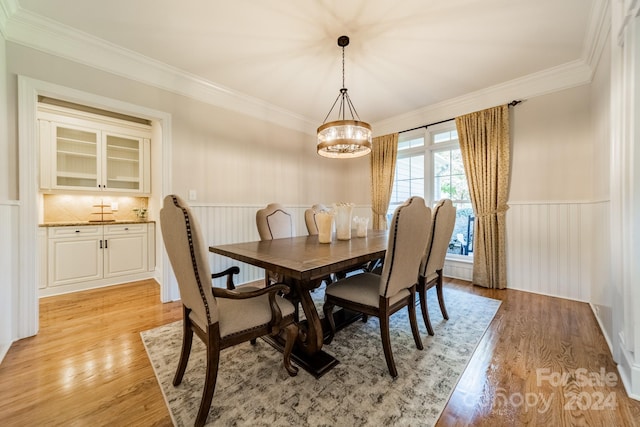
[87, 365]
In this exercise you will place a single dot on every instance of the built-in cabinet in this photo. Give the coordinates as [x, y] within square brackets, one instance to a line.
[89, 152]
[88, 256]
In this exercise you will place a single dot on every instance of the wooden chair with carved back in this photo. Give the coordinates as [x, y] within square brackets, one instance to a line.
[442, 222]
[221, 318]
[385, 294]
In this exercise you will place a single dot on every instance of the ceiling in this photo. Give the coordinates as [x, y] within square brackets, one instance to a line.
[404, 55]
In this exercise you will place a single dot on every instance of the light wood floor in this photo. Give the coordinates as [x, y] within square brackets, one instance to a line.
[87, 365]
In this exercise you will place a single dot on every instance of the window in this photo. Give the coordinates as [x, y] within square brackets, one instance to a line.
[435, 171]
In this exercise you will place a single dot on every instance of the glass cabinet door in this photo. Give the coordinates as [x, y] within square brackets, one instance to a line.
[123, 162]
[76, 157]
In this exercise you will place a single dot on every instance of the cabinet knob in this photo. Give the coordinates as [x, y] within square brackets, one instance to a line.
[77, 231]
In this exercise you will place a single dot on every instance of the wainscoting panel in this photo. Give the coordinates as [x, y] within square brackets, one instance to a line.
[458, 270]
[233, 224]
[551, 247]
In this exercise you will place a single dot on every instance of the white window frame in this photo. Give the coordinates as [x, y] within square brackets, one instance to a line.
[428, 149]
[431, 148]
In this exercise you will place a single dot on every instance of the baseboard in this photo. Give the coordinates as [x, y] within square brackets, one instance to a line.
[4, 348]
[546, 294]
[629, 372]
[602, 328]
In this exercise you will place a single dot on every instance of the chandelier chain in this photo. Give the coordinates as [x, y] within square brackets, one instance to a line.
[343, 66]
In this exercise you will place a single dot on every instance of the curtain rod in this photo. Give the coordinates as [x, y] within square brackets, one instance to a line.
[511, 104]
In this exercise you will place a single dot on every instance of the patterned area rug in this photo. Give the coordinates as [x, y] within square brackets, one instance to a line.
[254, 389]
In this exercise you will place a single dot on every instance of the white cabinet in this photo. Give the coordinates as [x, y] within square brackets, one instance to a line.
[88, 256]
[125, 249]
[82, 151]
[75, 254]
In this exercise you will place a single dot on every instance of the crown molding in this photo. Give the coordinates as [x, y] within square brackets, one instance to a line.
[565, 76]
[7, 9]
[597, 32]
[40, 33]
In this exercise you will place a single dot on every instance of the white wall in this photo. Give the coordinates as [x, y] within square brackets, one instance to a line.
[8, 221]
[600, 103]
[625, 191]
[552, 148]
[553, 207]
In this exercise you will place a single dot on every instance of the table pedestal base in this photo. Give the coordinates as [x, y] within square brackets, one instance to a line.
[320, 362]
[316, 364]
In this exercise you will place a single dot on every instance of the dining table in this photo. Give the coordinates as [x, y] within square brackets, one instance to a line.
[303, 263]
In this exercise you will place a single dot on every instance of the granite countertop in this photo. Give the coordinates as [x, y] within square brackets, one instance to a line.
[78, 223]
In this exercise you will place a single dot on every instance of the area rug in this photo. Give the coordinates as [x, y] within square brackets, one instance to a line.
[253, 389]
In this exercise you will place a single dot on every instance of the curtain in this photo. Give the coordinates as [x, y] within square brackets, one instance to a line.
[484, 144]
[383, 167]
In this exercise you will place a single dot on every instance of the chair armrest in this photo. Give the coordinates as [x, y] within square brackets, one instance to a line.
[276, 314]
[229, 272]
[273, 289]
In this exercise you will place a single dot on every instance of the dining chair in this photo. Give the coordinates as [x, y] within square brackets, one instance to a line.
[443, 220]
[383, 295]
[219, 317]
[274, 222]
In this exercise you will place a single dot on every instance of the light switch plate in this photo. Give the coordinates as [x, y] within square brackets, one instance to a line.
[192, 195]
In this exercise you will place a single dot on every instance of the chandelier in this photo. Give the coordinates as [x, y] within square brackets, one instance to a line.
[344, 138]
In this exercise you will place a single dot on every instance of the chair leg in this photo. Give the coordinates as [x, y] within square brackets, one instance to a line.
[296, 311]
[327, 309]
[365, 317]
[292, 333]
[187, 339]
[443, 309]
[253, 341]
[411, 307]
[422, 291]
[213, 359]
[386, 345]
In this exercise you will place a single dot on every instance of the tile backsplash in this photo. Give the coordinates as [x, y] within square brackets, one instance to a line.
[74, 208]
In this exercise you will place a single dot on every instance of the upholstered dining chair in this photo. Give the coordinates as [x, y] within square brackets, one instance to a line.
[443, 220]
[274, 222]
[219, 317]
[382, 295]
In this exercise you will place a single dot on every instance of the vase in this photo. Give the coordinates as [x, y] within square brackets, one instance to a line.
[324, 220]
[342, 212]
[361, 226]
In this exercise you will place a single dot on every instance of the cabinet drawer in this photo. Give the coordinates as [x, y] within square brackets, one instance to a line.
[124, 229]
[84, 230]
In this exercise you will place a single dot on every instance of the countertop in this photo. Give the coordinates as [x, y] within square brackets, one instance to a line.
[79, 223]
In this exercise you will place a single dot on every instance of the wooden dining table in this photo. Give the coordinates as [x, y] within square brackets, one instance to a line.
[303, 263]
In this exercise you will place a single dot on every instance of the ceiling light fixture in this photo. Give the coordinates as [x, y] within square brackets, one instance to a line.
[344, 138]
